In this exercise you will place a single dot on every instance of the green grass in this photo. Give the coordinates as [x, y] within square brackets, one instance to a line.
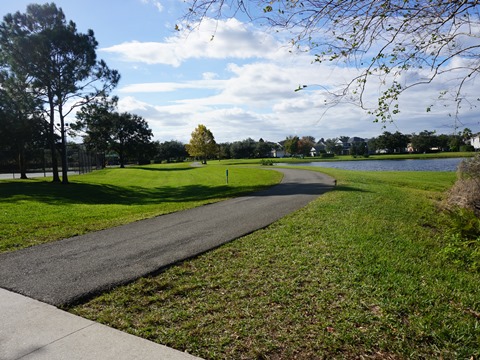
[37, 211]
[351, 158]
[355, 274]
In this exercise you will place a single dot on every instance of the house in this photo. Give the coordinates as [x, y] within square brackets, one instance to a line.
[475, 142]
[318, 148]
[278, 151]
[344, 145]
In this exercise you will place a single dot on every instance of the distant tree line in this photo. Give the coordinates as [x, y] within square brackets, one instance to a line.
[423, 142]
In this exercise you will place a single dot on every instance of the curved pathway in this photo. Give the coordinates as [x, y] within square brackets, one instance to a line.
[70, 270]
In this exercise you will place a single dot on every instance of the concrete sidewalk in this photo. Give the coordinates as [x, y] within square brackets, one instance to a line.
[30, 329]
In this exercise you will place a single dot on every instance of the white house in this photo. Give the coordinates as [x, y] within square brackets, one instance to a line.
[475, 142]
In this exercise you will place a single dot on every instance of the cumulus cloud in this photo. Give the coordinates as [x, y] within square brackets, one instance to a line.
[157, 87]
[253, 95]
[212, 39]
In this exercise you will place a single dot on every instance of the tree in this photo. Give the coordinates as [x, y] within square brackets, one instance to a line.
[333, 147]
[131, 138]
[96, 122]
[291, 144]
[305, 144]
[396, 142]
[107, 130]
[61, 63]
[359, 148]
[244, 149]
[224, 151]
[466, 135]
[384, 39]
[171, 151]
[21, 126]
[202, 143]
[424, 141]
[263, 149]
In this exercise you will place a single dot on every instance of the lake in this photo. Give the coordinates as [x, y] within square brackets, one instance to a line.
[449, 164]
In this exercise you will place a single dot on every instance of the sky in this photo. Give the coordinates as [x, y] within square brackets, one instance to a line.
[235, 77]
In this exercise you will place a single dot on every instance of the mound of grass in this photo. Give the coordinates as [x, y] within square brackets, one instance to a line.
[37, 211]
[355, 274]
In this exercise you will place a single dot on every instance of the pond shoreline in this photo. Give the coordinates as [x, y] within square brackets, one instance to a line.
[432, 164]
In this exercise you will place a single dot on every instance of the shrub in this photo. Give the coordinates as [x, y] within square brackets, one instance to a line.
[467, 148]
[465, 193]
[266, 162]
[463, 214]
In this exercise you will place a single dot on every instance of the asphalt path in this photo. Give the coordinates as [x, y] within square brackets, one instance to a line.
[74, 269]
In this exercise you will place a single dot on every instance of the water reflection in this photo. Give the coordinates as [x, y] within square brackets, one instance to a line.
[449, 164]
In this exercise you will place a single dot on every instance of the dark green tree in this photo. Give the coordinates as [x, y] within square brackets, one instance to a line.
[131, 138]
[21, 124]
[224, 150]
[424, 141]
[95, 122]
[104, 129]
[332, 146]
[245, 149]
[291, 145]
[263, 149]
[392, 143]
[171, 151]
[61, 63]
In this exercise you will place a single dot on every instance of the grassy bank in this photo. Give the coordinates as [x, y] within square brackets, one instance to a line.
[355, 273]
[37, 211]
[441, 155]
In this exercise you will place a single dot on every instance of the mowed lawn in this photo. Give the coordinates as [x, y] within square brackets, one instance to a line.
[36, 211]
[356, 274]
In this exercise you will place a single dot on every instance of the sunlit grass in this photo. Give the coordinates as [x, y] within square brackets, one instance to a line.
[355, 274]
[36, 211]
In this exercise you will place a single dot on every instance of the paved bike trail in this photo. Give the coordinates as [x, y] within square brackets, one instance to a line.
[71, 270]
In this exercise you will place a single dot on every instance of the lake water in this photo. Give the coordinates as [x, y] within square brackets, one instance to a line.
[449, 164]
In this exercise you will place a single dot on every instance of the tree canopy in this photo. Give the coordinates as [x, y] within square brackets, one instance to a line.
[105, 129]
[202, 143]
[394, 44]
[59, 64]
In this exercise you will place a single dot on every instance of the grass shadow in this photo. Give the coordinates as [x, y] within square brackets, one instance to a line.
[81, 193]
[349, 189]
[161, 169]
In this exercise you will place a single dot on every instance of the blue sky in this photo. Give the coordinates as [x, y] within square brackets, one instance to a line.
[239, 84]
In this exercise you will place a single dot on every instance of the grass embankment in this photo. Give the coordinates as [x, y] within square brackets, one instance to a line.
[355, 273]
[37, 211]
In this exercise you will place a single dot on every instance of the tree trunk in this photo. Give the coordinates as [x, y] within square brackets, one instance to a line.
[22, 164]
[64, 148]
[51, 140]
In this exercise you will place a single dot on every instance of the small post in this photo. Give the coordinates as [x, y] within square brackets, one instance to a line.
[226, 174]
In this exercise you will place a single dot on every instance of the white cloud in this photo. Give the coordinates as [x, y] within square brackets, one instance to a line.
[155, 87]
[209, 75]
[256, 98]
[155, 3]
[210, 40]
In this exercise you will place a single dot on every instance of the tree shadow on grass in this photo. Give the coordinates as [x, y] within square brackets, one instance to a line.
[81, 193]
[104, 194]
[162, 169]
[349, 189]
